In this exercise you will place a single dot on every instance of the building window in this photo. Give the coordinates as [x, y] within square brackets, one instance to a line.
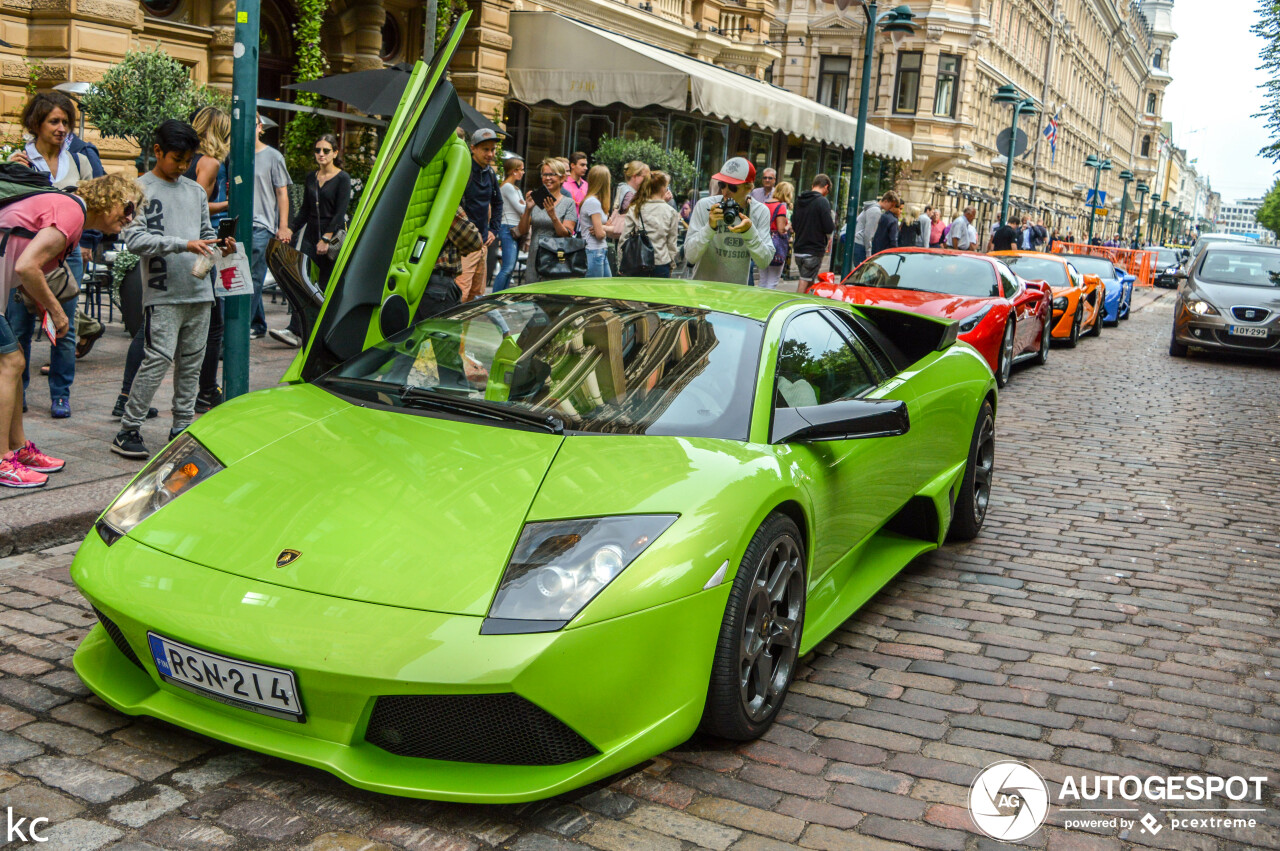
[1151, 103]
[160, 8]
[879, 78]
[391, 39]
[907, 88]
[833, 82]
[1158, 59]
[944, 100]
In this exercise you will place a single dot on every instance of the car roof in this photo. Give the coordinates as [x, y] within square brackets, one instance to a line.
[1040, 254]
[750, 302]
[1247, 247]
[949, 252]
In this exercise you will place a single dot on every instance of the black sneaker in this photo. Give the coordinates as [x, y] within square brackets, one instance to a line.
[129, 444]
[174, 432]
[207, 399]
[118, 410]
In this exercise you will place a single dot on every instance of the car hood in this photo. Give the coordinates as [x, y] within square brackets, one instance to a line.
[942, 305]
[1226, 296]
[385, 507]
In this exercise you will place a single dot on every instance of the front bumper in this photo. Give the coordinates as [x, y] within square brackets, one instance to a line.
[1213, 332]
[632, 687]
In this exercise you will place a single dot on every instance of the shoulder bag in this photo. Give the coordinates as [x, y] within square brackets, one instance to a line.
[636, 255]
[781, 245]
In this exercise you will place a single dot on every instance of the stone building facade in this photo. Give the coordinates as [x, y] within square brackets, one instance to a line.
[1100, 66]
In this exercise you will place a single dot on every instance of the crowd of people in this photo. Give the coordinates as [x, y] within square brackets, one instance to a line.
[57, 204]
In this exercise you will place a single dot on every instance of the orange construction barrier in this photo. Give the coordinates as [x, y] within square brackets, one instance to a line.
[1140, 264]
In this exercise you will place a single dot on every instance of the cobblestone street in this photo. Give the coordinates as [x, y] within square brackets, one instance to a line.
[1117, 615]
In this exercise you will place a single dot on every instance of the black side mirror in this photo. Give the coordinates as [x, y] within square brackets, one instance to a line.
[847, 420]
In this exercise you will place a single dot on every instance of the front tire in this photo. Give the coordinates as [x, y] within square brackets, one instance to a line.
[759, 645]
[975, 489]
[1046, 337]
[1004, 363]
[1074, 339]
[1176, 349]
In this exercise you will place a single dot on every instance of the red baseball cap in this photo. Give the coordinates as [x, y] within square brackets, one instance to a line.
[736, 171]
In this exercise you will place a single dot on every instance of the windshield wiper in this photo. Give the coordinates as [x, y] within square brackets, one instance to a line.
[456, 404]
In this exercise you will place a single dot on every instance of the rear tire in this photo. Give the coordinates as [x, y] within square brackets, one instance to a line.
[759, 645]
[975, 489]
[1096, 329]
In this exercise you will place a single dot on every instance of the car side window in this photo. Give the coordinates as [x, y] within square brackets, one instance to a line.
[816, 365]
[1008, 280]
[877, 349]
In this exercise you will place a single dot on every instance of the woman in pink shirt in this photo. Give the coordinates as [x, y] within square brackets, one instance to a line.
[40, 231]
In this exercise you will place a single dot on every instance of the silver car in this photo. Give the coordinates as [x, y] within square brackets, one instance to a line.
[1229, 300]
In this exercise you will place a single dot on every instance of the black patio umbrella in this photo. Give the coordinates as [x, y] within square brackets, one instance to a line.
[378, 92]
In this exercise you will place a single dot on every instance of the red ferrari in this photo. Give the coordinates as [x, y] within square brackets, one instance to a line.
[1004, 317]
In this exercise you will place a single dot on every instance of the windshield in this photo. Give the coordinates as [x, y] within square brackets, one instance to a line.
[1223, 265]
[1166, 257]
[932, 273]
[598, 365]
[1099, 266]
[1039, 269]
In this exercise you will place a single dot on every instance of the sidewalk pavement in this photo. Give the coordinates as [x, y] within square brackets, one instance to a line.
[64, 509]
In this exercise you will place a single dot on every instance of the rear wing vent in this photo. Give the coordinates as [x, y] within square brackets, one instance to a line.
[911, 335]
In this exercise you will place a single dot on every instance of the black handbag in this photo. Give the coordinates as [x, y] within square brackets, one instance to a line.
[636, 255]
[560, 257]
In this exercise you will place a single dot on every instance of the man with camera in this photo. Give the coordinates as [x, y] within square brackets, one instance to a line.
[730, 230]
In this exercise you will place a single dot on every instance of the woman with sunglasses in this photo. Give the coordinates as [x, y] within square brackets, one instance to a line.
[43, 229]
[322, 215]
[557, 215]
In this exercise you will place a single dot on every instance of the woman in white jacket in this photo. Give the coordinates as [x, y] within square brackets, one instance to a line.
[649, 211]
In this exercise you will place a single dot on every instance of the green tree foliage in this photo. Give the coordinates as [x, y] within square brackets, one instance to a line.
[447, 11]
[134, 96]
[1268, 29]
[1268, 215]
[616, 153]
[303, 128]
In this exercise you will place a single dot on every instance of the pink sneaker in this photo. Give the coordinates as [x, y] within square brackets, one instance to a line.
[36, 460]
[14, 474]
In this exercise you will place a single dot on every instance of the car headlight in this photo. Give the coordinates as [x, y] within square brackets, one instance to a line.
[1200, 307]
[559, 566]
[179, 467]
[970, 322]
[1060, 303]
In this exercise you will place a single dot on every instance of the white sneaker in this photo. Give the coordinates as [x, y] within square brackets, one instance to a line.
[284, 335]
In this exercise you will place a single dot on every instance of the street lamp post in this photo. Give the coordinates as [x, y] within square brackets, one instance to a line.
[1142, 191]
[898, 24]
[1126, 177]
[244, 136]
[1164, 219]
[1098, 166]
[1151, 221]
[1010, 95]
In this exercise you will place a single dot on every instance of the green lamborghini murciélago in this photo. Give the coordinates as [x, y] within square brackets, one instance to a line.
[499, 553]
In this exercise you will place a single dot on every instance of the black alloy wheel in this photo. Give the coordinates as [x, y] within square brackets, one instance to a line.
[1046, 336]
[1074, 339]
[759, 645]
[975, 489]
[1004, 362]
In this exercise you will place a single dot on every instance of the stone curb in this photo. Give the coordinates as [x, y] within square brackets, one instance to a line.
[48, 518]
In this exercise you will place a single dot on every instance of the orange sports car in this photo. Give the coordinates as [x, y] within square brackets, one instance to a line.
[1077, 298]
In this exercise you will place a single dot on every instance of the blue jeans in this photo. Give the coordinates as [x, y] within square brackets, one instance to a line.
[662, 270]
[258, 268]
[859, 254]
[510, 250]
[598, 263]
[62, 356]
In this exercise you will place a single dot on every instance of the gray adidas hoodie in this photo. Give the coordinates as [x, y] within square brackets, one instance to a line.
[171, 214]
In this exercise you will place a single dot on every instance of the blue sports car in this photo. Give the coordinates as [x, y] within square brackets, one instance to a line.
[1118, 283]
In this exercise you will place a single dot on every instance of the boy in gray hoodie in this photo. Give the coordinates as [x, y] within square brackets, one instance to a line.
[170, 234]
